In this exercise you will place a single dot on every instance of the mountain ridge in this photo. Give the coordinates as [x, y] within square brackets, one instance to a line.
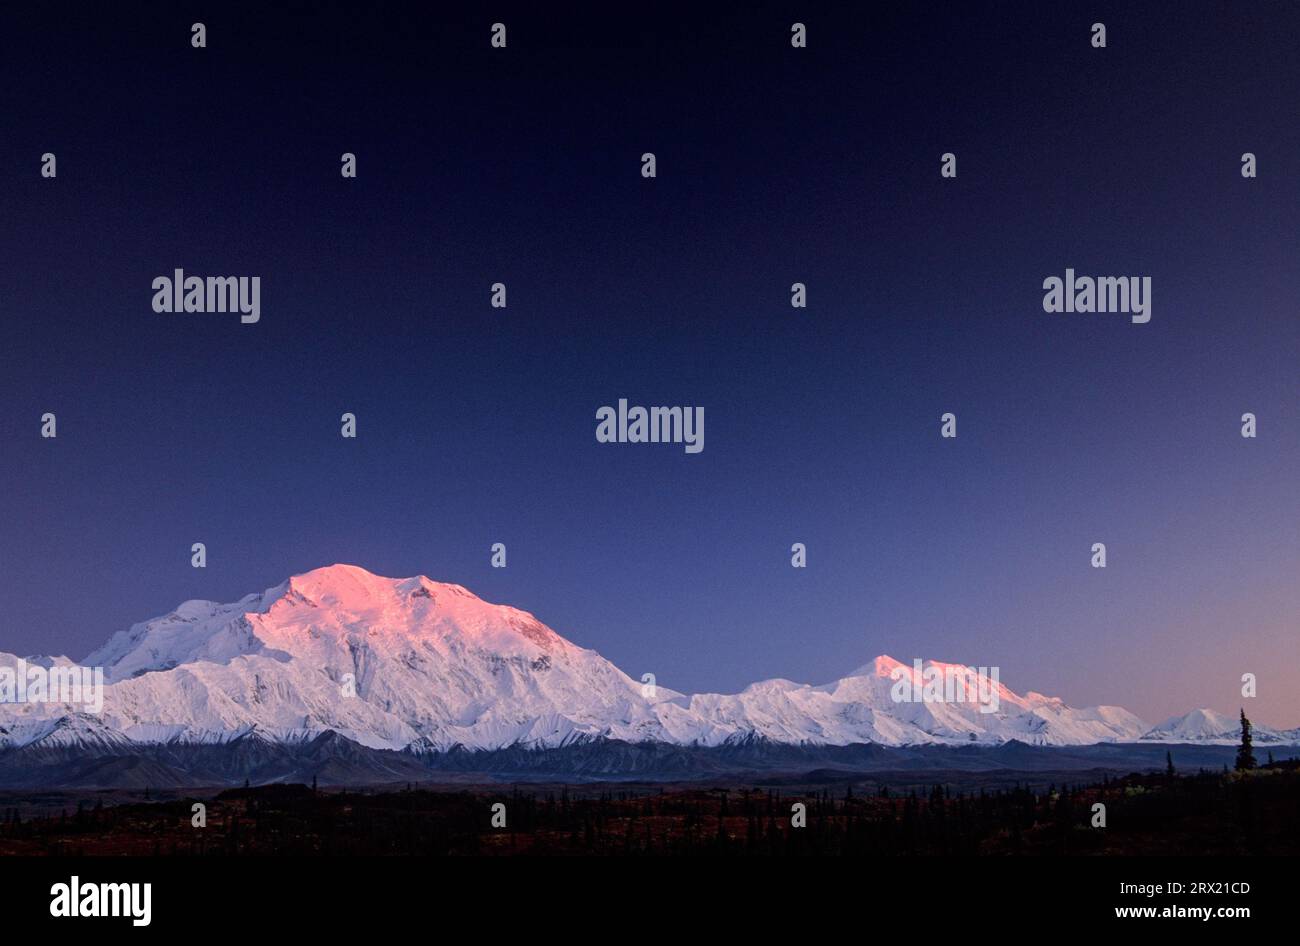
[411, 663]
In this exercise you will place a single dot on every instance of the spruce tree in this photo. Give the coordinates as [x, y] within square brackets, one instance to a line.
[1245, 754]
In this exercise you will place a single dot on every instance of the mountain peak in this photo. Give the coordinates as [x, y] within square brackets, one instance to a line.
[338, 583]
[1198, 723]
[396, 662]
[881, 666]
[353, 588]
[340, 571]
[885, 666]
[340, 577]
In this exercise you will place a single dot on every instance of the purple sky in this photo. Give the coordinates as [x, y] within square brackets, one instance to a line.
[775, 165]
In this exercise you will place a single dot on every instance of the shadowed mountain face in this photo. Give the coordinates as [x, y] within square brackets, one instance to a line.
[386, 677]
[331, 759]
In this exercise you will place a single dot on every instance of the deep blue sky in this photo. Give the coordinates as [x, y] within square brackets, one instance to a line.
[822, 425]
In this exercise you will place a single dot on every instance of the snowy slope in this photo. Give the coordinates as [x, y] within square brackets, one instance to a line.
[398, 663]
[386, 662]
[861, 708]
[1207, 726]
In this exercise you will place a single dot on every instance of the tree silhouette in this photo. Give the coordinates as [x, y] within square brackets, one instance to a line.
[1245, 754]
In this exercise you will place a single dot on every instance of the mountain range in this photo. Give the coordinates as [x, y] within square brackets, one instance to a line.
[426, 667]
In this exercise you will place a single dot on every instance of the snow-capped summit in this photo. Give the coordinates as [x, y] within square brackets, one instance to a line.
[385, 661]
[1208, 726]
[331, 601]
[414, 663]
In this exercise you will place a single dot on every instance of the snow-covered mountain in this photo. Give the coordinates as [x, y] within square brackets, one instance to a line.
[1208, 726]
[421, 665]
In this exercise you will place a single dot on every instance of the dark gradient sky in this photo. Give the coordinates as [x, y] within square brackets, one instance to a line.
[822, 426]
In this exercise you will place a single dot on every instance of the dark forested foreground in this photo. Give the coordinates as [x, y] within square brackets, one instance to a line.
[1207, 813]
